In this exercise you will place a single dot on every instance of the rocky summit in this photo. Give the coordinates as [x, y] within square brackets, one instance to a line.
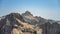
[26, 23]
[14, 23]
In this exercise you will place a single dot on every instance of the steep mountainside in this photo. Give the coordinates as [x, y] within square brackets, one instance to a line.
[48, 26]
[15, 24]
[27, 16]
[26, 23]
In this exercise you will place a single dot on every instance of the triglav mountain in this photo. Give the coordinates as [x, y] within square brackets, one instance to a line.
[26, 23]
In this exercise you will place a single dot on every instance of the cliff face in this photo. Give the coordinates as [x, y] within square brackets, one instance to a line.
[26, 23]
[15, 24]
[34, 20]
[48, 26]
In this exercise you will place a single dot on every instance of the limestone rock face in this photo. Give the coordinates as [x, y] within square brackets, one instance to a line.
[48, 26]
[16, 31]
[15, 24]
[26, 23]
[8, 23]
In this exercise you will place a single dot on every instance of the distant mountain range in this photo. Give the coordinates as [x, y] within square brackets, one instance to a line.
[26, 23]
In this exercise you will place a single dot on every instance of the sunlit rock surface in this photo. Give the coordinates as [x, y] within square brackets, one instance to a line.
[15, 24]
[26, 23]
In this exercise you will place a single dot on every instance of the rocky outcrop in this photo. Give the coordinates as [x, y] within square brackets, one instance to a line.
[26, 23]
[48, 26]
[15, 24]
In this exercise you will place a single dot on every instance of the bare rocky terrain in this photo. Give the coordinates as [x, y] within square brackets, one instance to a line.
[26, 23]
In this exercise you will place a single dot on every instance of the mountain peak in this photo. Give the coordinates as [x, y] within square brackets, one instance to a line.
[27, 13]
[14, 15]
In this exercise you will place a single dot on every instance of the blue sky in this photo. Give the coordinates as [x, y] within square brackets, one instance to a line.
[49, 9]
